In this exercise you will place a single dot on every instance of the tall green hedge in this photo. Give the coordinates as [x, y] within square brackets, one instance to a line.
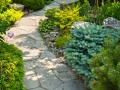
[11, 67]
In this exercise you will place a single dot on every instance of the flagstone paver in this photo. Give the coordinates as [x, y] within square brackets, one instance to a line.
[43, 71]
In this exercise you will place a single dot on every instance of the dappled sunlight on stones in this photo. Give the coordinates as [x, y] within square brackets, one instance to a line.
[26, 42]
[71, 85]
[29, 72]
[26, 28]
[47, 54]
[44, 63]
[31, 81]
[49, 80]
[61, 67]
[40, 45]
[35, 34]
[31, 54]
[22, 22]
[64, 76]
[29, 65]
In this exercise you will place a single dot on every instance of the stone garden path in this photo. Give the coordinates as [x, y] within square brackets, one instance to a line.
[43, 71]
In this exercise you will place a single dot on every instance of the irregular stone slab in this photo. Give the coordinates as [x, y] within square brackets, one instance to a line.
[65, 1]
[31, 54]
[26, 28]
[56, 60]
[71, 85]
[35, 34]
[54, 3]
[25, 21]
[29, 65]
[26, 42]
[34, 17]
[79, 24]
[50, 7]
[18, 33]
[47, 79]
[61, 68]
[64, 76]
[38, 13]
[40, 45]
[39, 88]
[47, 55]
[111, 23]
[44, 63]
[31, 81]
[29, 72]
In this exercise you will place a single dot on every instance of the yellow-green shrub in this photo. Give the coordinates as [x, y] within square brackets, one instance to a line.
[61, 41]
[11, 15]
[4, 4]
[66, 17]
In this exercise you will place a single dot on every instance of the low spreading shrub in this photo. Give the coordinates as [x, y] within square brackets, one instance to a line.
[11, 15]
[11, 67]
[66, 17]
[34, 4]
[105, 67]
[85, 43]
[61, 41]
[50, 13]
[46, 25]
[4, 5]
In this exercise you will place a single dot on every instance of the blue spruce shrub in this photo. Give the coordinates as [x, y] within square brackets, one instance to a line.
[85, 43]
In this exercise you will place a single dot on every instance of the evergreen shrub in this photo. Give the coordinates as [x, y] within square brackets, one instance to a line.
[11, 67]
[85, 43]
[34, 4]
[66, 17]
[105, 67]
[3, 28]
[110, 9]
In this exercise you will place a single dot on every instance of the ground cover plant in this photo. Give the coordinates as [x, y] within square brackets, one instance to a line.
[105, 67]
[11, 67]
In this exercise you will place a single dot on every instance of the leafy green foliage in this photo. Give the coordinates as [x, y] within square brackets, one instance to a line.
[17, 1]
[61, 41]
[105, 67]
[34, 4]
[48, 1]
[46, 25]
[3, 28]
[66, 17]
[50, 13]
[85, 43]
[11, 67]
[4, 5]
[108, 10]
[11, 15]
[85, 7]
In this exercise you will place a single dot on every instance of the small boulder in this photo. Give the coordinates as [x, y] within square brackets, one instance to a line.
[111, 23]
